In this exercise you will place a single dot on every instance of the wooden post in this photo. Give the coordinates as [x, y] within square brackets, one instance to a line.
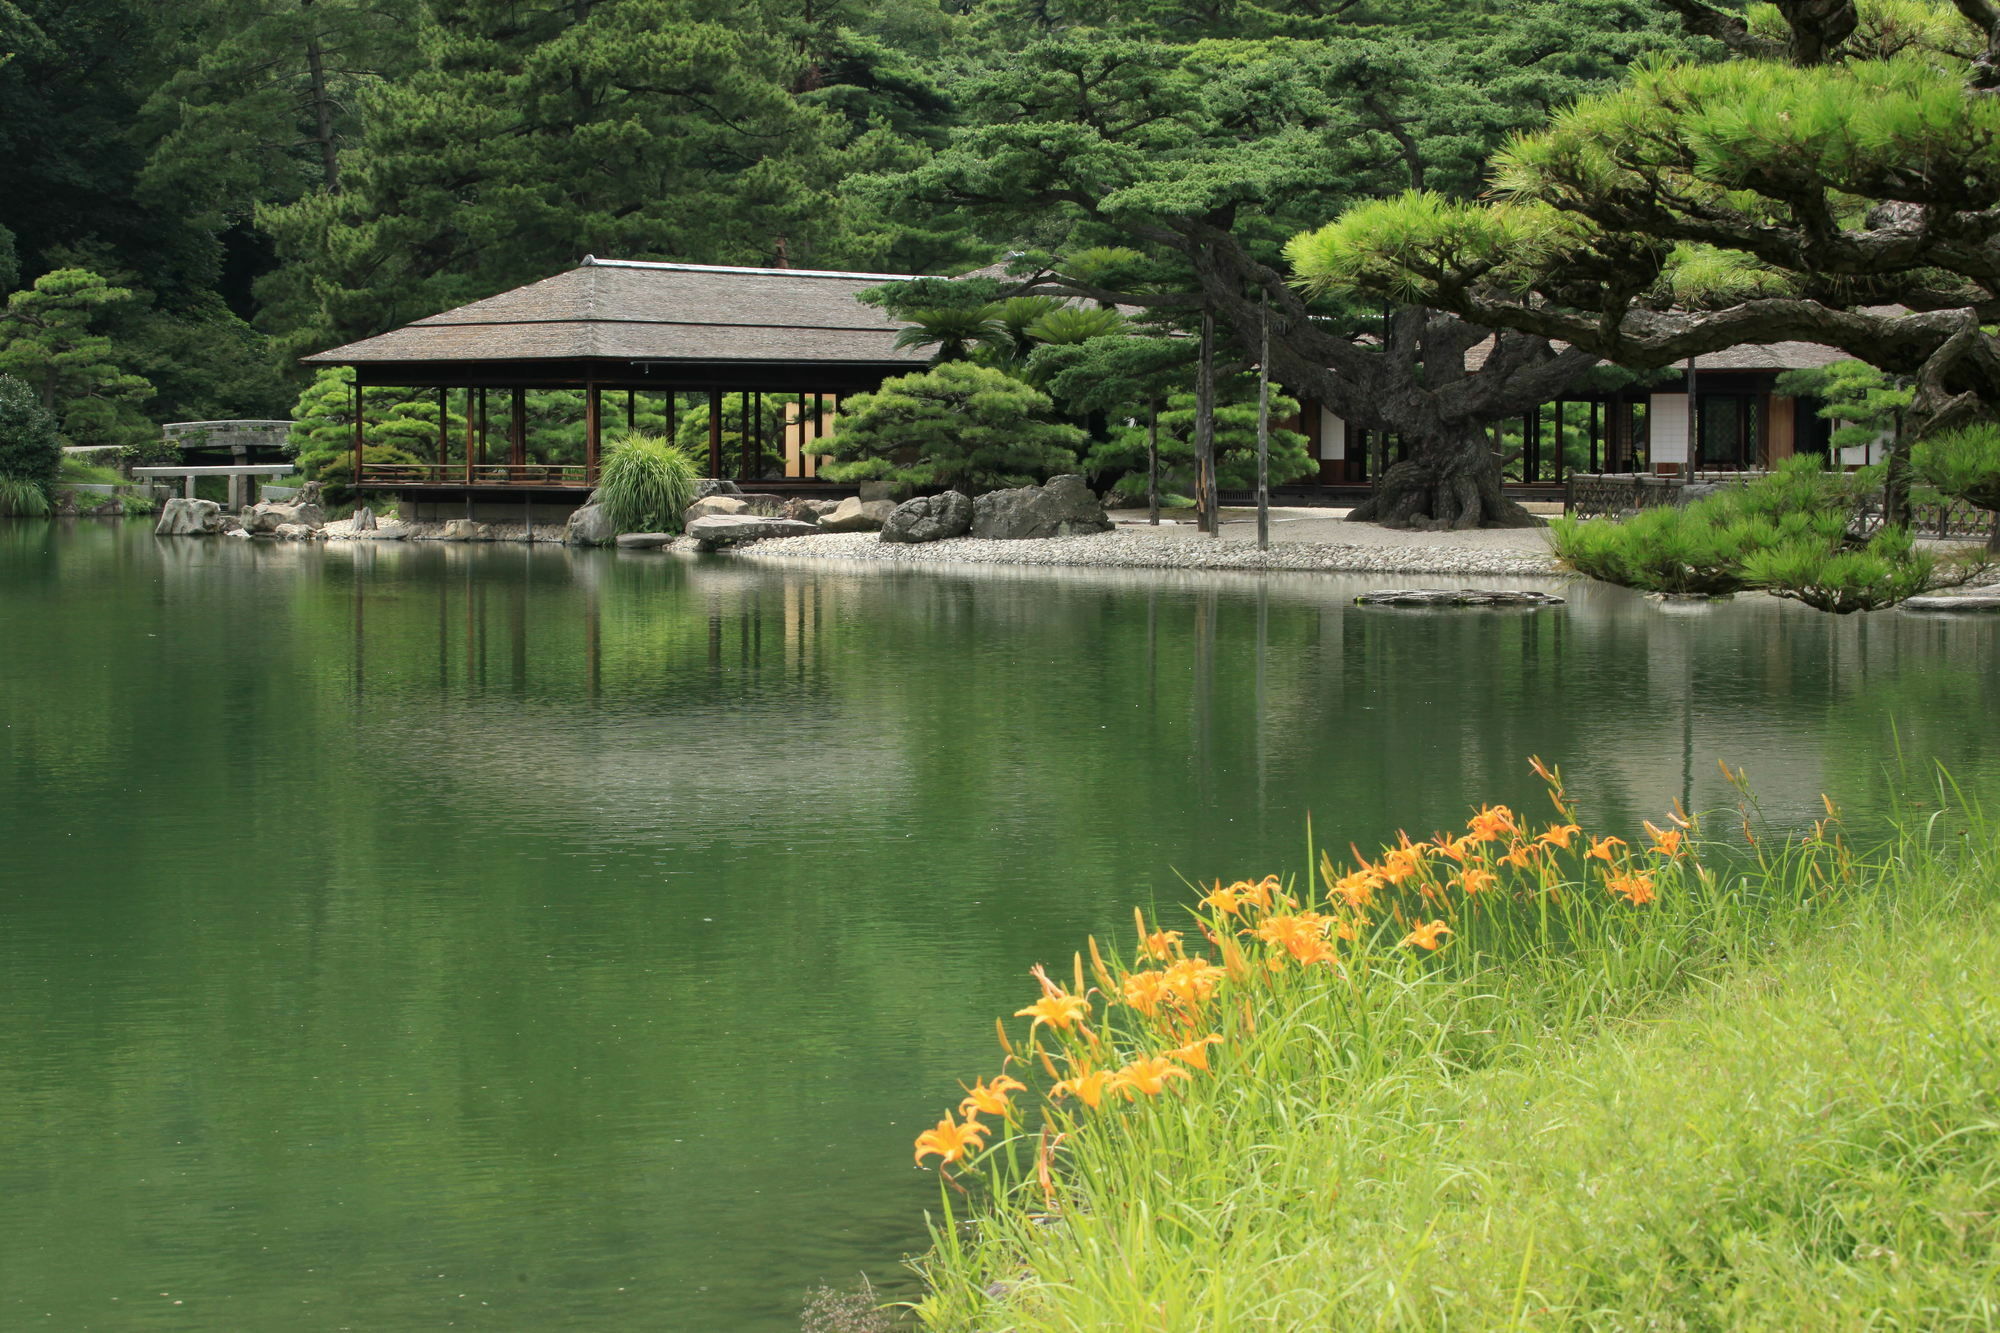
[593, 409]
[1264, 427]
[1153, 463]
[1596, 407]
[1689, 467]
[444, 437]
[631, 410]
[517, 428]
[674, 417]
[1204, 430]
[471, 424]
[358, 400]
[715, 432]
[485, 453]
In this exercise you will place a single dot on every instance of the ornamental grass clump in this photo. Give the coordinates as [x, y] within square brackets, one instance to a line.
[646, 485]
[1331, 1101]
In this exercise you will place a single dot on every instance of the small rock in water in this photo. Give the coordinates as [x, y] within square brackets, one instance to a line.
[1456, 597]
[644, 541]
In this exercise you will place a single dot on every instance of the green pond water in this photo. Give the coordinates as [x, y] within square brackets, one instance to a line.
[423, 936]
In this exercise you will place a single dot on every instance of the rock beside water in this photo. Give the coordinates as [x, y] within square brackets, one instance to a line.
[1985, 598]
[1063, 508]
[929, 518]
[644, 541]
[1456, 597]
[181, 517]
[465, 530]
[857, 515]
[589, 526]
[731, 529]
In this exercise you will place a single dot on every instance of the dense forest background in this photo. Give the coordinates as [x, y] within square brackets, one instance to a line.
[241, 181]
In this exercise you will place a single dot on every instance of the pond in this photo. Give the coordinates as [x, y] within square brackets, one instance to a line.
[422, 936]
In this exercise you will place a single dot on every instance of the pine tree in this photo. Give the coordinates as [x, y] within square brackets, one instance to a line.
[46, 339]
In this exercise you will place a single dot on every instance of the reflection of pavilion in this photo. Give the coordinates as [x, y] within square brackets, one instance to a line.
[668, 339]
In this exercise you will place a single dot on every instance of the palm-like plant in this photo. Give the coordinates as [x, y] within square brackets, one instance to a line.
[953, 330]
[1069, 325]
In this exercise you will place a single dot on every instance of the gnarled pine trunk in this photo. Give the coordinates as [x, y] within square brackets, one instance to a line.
[1451, 481]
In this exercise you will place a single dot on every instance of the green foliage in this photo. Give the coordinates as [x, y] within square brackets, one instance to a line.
[1786, 534]
[955, 331]
[30, 448]
[138, 506]
[1235, 439]
[21, 498]
[404, 421]
[959, 426]
[1865, 401]
[1069, 326]
[336, 473]
[47, 339]
[1964, 464]
[646, 485]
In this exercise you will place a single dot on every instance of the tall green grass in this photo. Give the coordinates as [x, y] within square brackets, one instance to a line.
[1765, 1099]
[646, 485]
[22, 498]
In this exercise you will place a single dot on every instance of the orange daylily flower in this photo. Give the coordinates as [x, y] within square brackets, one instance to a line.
[1226, 901]
[1601, 849]
[1358, 889]
[1148, 1076]
[1522, 855]
[1195, 1053]
[1492, 823]
[950, 1142]
[1636, 889]
[1558, 835]
[1057, 1008]
[1193, 980]
[1475, 880]
[1145, 990]
[1161, 944]
[1456, 848]
[1666, 842]
[1349, 928]
[1085, 1084]
[1261, 893]
[984, 1098]
[1425, 935]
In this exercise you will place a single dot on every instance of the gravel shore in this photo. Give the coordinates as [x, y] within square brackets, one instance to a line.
[1360, 548]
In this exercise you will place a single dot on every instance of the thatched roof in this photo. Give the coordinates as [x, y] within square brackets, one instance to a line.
[627, 310]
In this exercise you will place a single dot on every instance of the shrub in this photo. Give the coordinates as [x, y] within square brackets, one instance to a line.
[960, 426]
[1964, 464]
[30, 448]
[1786, 534]
[137, 506]
[646, 485]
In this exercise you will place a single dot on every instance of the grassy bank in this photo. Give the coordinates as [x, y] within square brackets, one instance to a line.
[1628, 1089]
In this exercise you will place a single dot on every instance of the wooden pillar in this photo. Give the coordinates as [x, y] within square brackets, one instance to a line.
[1596, 412]
[471, 424]
[674, 417]
[517, 428]
[1204, 429]
[631, 410]
[593, 408]
[358, 400]
[715, 432]
[444, 437]
[485, 453]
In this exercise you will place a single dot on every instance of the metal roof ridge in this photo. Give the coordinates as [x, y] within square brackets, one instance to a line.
[592, 261]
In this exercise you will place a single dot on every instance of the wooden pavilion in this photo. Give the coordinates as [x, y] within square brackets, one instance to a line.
[630, 330]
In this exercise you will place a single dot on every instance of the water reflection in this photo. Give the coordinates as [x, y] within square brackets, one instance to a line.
[587, 932]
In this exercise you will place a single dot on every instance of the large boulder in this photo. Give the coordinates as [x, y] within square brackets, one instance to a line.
[589, 526]
[805, 511]
[363, 520]
[731, 529]
[929, 518]
[264, 520]
[704, 488]
[465, 530]
[1064, 506]
[189, 518]
[857, 515]
[712, 504]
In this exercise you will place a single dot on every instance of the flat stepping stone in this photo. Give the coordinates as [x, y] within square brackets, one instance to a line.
[644, 541]
[730, 529]
[1421, 597]
[1972, 599]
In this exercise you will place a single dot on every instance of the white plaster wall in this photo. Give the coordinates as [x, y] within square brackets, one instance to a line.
[1667, 427]
[1332, 436]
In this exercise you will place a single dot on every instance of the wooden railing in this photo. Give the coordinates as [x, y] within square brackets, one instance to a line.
[480, 474]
